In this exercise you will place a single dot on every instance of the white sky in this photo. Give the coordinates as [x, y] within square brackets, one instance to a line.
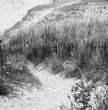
[12, 11]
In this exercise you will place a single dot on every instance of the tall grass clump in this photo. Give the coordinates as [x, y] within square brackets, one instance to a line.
[84, 41]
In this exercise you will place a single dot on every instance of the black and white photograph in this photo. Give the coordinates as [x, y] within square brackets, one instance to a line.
[53, 54]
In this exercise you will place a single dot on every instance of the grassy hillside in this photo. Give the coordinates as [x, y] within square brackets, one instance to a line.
[79, 11]
[68, 35]
[85, 44]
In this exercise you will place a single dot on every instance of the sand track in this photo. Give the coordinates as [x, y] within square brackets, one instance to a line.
[53, 93]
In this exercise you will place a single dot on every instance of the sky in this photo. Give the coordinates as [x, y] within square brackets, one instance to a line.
[12, 11]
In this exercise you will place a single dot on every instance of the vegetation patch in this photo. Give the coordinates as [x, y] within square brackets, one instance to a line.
[85, 43]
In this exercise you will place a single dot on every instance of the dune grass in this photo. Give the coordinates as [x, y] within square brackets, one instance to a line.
[84, 42]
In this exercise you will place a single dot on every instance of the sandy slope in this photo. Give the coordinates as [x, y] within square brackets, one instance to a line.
[53, 93]
[12, 11]
[35, 15]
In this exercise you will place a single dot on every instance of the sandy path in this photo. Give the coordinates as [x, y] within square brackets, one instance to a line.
[55, 89]
[53, 93]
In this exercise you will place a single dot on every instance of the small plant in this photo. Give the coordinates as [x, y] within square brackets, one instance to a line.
[92, 98]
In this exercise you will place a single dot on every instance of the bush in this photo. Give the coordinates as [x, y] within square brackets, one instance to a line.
[90, 97]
